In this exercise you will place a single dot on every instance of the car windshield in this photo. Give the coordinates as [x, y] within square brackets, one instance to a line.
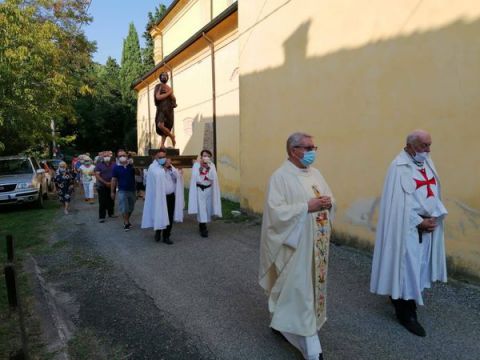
[15, 166]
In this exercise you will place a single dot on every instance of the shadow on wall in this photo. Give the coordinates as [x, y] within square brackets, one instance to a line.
[360, 103]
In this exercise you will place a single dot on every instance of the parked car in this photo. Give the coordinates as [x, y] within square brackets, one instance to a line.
[22, 180]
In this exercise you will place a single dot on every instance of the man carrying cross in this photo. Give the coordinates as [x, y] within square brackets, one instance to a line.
[409, 249]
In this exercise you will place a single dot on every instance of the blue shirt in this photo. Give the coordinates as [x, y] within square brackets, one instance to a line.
[125, 176]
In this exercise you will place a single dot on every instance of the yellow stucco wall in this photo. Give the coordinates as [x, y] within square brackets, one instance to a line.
[359, 75]
[188, 17]
[192, 84]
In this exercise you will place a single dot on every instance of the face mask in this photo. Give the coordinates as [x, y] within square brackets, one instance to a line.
[62, 170]
[206, 159]
[88, 163]
[106, 159]
[421, 156]
[122, 159]
[308, 158]
[161, 161]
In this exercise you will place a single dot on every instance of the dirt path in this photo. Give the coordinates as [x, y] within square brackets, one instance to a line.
[199, 298]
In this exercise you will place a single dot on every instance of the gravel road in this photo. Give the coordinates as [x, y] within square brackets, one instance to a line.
[199, 298]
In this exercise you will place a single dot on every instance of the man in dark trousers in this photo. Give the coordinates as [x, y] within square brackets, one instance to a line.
[163, 197]
[103, 174]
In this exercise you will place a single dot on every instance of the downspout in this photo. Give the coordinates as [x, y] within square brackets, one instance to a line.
[214, 98]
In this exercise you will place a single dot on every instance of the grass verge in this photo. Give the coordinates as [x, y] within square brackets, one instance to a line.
[30, 229]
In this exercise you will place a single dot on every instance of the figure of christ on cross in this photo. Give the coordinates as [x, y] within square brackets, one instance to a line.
[165, 102]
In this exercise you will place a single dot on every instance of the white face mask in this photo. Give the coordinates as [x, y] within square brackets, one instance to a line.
[421, 156]
[122, 159]
[206, 159]
[106, 159]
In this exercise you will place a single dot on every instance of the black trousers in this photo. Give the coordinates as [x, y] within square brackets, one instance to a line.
[105, 202]
[171, 211]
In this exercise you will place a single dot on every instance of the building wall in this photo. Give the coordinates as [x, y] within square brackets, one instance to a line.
[359, 75]
[188, 17]
[192, 85]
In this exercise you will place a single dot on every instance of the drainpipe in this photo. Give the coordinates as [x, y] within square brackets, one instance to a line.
[214, 97]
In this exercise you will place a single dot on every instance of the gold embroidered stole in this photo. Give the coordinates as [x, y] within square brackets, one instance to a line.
[321, 241]
[320, 252]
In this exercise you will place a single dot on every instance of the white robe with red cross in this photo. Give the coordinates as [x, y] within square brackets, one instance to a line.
[402, 265]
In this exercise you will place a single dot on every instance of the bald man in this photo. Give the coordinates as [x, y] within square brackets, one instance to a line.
[409, 249]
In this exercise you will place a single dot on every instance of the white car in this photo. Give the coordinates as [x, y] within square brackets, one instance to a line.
[22, 180]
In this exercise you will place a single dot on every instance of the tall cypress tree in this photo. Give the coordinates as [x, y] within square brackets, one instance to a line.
[131, 65]
[148, 61]
[131, 69]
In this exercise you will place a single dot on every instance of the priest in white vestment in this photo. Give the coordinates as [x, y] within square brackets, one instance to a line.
[409, 249]
[164, 200]
[294, 247]
[204, 198]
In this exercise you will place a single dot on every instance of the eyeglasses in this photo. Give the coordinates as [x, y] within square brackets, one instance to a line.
[307, 148]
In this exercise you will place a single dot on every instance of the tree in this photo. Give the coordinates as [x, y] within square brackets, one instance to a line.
[44, 57]
[153, 19]
[131, 65]
[102, 113]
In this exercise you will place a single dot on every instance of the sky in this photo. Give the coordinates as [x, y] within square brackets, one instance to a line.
[111, 19]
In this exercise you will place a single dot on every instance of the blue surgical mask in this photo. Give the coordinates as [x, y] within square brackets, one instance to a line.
[161, 161]
[421, 156]
[308, 158]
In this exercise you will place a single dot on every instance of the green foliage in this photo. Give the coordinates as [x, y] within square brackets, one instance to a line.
[131, 65]
[147, 52]
[103, 115]
[43, 59]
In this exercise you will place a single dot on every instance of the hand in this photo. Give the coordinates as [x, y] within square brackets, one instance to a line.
[428, 225]
[168, 163]
[108, 184]
[318, 204]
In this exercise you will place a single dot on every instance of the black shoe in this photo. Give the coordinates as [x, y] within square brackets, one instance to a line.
[101, 220]
[127, 227]
[320, 357]
[203, 229]
[414, 327]
[158, 235]
[406, 312]
[167, 240]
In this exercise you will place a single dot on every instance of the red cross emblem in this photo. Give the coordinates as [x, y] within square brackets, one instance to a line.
[426, 182]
